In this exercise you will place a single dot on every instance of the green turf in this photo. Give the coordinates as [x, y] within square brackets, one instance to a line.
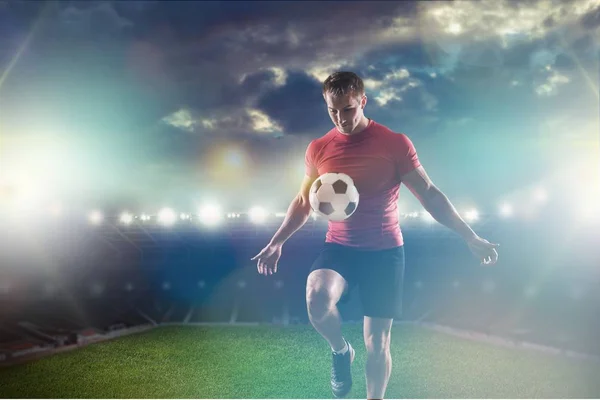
[292, 362]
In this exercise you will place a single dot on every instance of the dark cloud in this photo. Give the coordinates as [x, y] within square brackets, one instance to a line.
[207, 46]
[199, 20]
[110, 72]
[517, 58]
[549, 22]
[258, 82]
[585, 46]
[591, 19]
[564, 62]
[298, 106]
[414, 56]
[92, 20]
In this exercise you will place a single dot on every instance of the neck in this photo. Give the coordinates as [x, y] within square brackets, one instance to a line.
[361, 126]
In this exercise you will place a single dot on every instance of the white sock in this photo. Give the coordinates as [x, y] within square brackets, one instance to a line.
[344, 350]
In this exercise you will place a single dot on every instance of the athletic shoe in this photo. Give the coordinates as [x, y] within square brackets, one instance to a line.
[341, 375]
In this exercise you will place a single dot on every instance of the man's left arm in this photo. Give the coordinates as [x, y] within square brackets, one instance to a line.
[442, 210]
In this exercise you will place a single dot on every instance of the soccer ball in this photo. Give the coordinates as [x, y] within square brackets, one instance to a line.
[333, 196]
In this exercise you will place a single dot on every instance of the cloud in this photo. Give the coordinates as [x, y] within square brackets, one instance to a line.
[247, 121]
[392, 85]
[262, 123]
[297, 107]
[92, 20]
[182, 119]
[591, 19]
[387, 95]
[551, 84]
[173, 82]
[246, 51]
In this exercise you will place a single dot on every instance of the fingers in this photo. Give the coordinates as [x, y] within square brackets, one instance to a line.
[494, 257]
[264, 269]
[490, 259]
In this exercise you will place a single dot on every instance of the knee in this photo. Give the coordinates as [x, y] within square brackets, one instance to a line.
[378, 344]
[318, 302]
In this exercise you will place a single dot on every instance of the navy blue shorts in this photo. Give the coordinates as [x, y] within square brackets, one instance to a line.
[379, 275]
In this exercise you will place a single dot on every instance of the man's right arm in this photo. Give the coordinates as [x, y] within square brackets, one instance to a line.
[297, 214]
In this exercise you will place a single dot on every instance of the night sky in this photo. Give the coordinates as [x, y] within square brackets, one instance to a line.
[142, 105]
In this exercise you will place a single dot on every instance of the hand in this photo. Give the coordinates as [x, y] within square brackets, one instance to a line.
[484, 250]
[267, 259]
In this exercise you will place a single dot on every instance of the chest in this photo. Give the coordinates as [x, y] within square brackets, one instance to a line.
[371, 166]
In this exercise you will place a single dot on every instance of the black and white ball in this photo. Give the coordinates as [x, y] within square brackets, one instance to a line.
[334, 196]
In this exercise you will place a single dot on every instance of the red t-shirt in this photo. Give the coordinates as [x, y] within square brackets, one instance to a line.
[375, 159]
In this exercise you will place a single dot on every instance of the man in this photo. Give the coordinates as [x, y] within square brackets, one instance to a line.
[365, 250]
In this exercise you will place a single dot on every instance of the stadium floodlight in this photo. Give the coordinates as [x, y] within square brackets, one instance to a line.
[95, 217]
[472, 215]
[257, 214]
[184, 216]
[210, 214]
[126, 218]
[167, 216]
[506, 210]
[145, 217]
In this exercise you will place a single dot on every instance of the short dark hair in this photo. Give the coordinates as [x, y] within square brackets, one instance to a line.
[342, 83]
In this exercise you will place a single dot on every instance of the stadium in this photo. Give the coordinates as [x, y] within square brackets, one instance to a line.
[149, 150]
[135, 297]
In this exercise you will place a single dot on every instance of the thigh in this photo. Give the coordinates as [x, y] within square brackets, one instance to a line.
[331, 271]
[380, 283]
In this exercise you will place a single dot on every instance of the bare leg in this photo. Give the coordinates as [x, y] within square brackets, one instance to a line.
[323, 291]
[379, 360]
[327, 321]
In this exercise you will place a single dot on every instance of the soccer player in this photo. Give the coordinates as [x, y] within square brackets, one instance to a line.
[365, 250]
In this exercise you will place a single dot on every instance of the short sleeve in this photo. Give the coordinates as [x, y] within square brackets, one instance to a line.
[407, 158]
[310, 167]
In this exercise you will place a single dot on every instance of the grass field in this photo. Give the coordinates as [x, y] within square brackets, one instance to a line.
[293, 362]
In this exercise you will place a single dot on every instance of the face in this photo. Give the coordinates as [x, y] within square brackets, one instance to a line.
[346, 111]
